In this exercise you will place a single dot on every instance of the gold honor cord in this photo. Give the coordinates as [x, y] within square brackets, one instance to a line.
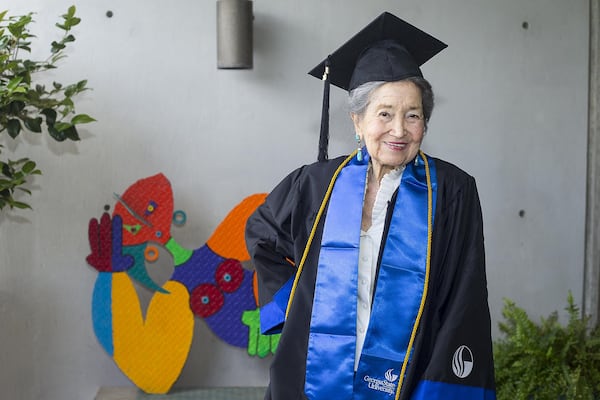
[314, 229]
[427, 268]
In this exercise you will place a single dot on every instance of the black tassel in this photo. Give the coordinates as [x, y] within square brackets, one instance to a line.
[324, 134]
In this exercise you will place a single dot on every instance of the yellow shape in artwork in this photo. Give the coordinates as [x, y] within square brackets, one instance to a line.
[152, 352]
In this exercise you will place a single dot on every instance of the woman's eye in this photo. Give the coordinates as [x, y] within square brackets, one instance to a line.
[384, 114]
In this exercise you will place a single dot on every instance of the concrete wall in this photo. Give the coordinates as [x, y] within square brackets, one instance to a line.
[511, 110]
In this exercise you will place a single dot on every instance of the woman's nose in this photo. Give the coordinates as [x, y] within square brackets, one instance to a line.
[398, 127]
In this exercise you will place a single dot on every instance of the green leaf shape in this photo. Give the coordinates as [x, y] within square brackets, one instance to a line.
[71, 133]
[33, 124]
[50, 115]
[57, 135]
[13, 127]
[82, 119]
[28, 167]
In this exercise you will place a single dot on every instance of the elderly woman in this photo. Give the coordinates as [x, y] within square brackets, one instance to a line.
[372, 265]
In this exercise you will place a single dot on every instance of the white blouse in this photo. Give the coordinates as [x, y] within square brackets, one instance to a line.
[370, 243]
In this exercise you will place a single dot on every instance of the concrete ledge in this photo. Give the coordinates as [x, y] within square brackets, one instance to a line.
[230, 393]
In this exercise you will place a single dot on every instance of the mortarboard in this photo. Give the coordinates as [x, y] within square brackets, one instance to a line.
[388, 49]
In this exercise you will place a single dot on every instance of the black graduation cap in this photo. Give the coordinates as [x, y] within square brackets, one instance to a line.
[388, 49]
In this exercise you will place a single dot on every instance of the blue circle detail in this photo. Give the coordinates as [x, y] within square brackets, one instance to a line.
[179, 217]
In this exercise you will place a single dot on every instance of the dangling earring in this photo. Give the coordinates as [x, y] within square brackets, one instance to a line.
[359, 155]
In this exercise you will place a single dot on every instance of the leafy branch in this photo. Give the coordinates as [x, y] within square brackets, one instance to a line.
[547, 360]
[26, 104]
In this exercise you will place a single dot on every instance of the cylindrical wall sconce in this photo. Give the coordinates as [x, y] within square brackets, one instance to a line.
[234, 34]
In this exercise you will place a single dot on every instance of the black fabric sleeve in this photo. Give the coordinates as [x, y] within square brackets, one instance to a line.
[269, 238]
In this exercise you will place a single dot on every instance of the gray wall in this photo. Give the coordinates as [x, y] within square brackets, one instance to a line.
[512, 110]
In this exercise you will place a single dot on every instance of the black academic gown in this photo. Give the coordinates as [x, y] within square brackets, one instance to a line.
[456, 311]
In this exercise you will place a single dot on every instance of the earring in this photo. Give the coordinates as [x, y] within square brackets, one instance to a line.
[359, 155]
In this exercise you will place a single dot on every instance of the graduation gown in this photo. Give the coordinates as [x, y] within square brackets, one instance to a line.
[455, 315]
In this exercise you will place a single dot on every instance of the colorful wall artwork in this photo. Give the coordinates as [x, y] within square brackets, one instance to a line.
[209, 283]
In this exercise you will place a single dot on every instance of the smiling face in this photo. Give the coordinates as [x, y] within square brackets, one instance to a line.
[392, 126]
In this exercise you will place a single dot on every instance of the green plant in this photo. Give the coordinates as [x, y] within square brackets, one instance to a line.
[26, 103]
[547, 360]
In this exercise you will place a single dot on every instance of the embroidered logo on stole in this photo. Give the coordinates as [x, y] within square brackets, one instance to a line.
[332, 340]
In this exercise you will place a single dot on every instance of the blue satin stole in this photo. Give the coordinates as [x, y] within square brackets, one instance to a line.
[398, 294]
